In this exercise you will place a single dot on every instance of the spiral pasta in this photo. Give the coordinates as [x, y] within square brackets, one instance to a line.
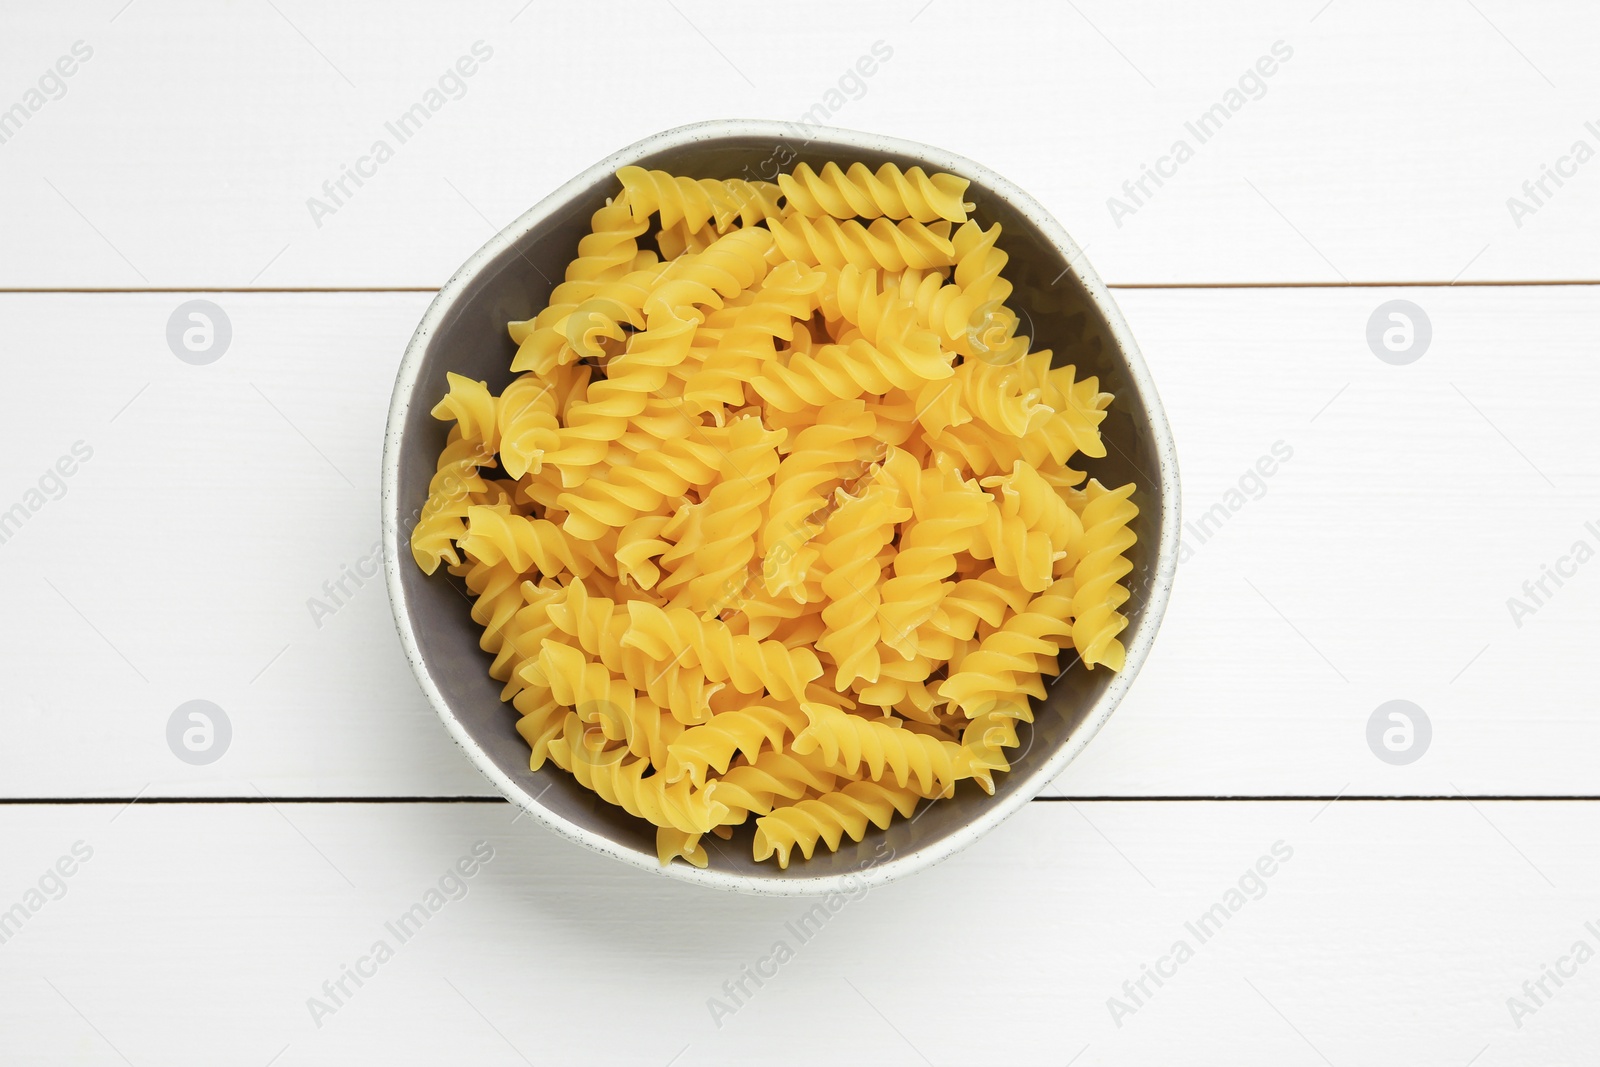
[830, 817]
[801, 486]
[1098, 575]
[857, 531]
[666, 454]
[888, 193]
[946, 511]
[787, 294]
[848, 743]
[845, 371]
[990, 678]
[607, 254]
[441, 522]
[694, 203]
[602, 415]
[776, 531]
[1028, 529]
[720, 530]
[526, 423]
[622, 781]
[473, 408]
[677, 635]
[743, 732]
[672, 843]
[494, 533]
[598, 626]
[885, 245]
[760, 785]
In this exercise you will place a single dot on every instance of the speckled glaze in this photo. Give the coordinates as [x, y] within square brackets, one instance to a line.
[1066, 309]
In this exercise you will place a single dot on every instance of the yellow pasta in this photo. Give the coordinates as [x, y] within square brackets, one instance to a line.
[776, 526]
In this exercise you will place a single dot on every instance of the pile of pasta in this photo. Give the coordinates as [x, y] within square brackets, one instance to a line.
[776, 521]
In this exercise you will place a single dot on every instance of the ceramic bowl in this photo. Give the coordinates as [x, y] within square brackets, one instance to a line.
[1064, 307]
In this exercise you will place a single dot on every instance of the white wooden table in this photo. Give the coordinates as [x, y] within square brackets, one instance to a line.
[1430, 912]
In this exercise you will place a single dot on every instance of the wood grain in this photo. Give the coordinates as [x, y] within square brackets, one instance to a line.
[178, 523]
[1385, 148]
[1383, 933]
[1375, 563]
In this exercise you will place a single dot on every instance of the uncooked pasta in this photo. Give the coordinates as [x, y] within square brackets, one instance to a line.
[776, 523]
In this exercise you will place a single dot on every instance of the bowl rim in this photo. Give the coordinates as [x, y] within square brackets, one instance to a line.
[899, 865]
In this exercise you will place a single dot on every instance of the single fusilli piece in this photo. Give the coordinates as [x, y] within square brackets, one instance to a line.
[695, 203]
[665, 454]
[830, 818]
[889, 193]
[884, 245]
[846, 371]
[857, 531]
[495, 533]
[1099, 573]
[852, 743]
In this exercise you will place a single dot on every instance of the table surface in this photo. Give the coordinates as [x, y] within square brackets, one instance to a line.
[1228, 874]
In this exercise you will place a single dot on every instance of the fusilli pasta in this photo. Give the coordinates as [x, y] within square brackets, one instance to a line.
[776, 524]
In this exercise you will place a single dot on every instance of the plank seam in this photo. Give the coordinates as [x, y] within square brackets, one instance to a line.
[1095, 799]
[1422, 284]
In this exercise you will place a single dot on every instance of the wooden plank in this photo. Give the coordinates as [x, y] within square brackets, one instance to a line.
[1376, 564]
[183, 559]
[185, 151]
[197, 934]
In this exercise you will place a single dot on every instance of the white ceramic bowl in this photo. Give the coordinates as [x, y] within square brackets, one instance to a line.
[464, 330]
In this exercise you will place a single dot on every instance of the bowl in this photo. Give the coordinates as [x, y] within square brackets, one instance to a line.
[1064, 307]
